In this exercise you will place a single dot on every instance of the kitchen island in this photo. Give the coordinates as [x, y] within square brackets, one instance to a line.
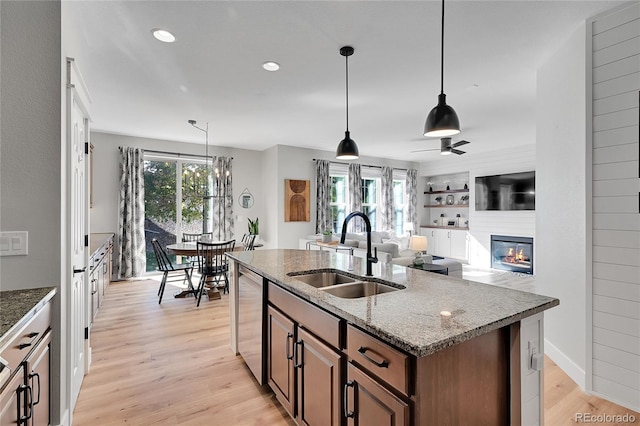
[438, 350]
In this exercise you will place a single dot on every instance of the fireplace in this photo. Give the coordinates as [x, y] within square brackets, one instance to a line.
[512, 253]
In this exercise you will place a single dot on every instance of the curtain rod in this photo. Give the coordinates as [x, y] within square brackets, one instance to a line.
[178, 154]
[362, 165]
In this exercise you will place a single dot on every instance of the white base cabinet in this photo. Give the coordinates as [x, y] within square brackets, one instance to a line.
[445, 242]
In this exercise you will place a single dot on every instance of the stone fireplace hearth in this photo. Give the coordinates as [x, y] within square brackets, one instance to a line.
[512, 253]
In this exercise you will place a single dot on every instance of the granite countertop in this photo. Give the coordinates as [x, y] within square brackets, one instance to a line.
[97, 240]
[16, 304]
[411, 318]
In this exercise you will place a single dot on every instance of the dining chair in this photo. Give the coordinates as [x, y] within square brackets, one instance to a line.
[169, 268]
[212, 264]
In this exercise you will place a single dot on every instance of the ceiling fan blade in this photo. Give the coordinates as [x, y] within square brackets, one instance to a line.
[457, 151]
[424, 150]
[459, 143]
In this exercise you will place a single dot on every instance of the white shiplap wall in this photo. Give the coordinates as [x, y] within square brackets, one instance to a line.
[615, 289]
[482, 224]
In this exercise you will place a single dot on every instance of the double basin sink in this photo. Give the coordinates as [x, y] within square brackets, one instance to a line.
[345, 286]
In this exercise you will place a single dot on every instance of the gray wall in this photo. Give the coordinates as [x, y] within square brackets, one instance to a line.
[32, 190]
[30, 153]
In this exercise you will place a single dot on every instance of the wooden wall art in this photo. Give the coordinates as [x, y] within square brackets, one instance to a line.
[297, 200]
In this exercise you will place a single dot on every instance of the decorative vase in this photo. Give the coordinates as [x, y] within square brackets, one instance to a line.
[326, 238]
[418, 260]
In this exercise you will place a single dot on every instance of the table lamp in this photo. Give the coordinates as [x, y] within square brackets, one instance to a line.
[419, 244]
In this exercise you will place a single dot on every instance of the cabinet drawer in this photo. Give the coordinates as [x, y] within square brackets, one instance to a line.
[308, 316]
[375, 356]
[18, 349]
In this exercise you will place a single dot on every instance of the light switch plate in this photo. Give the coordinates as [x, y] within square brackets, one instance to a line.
[15, 243]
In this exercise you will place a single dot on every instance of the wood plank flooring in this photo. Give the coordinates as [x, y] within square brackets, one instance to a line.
[171, 364]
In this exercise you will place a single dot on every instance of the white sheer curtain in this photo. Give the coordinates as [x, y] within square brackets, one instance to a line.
[131, 261]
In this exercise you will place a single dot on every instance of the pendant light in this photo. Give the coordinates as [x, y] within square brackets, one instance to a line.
[207, 197]
[347, 148]
[442, 120]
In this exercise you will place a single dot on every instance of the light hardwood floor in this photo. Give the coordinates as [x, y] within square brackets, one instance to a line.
[171, 364]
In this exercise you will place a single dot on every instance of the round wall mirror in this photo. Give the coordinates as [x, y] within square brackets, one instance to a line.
[245, 199]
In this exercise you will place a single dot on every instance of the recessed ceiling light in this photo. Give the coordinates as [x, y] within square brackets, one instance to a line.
[163, 35]
[271, 66]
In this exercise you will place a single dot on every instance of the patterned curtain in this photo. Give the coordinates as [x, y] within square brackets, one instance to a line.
[222, 211]
[131, 261]
[412, 197]
[355, 196]
[324, 220]
[387, 209]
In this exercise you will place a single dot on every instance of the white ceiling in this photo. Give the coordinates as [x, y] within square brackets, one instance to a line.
[213, 73]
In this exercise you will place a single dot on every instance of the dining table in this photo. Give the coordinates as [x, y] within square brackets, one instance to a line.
[190, 249]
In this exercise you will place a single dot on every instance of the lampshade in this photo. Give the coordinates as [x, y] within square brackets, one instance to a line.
[442, 120]
[347, 148]
[418, 243]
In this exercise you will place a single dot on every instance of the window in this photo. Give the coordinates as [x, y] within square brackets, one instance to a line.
[338, 201]
[170, 183]
[399, 204]
[371, 193]
[370, 199]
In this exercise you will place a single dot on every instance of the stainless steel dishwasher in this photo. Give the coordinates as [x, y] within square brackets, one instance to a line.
[252, 311]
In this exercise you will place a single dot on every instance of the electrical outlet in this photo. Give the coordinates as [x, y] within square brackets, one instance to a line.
[14, 243]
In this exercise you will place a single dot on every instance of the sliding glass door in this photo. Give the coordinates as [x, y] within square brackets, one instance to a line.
[174, 191]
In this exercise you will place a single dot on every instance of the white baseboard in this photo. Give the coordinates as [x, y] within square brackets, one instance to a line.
[572, 370]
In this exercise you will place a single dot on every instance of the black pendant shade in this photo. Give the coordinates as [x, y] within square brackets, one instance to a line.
[347, 148]
[442, 120]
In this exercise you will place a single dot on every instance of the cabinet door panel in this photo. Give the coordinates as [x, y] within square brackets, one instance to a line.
[443, 242]
[38, 368]
[319, 374]
[10, 411]
[459, 245]
[373, 405]
[280, 371]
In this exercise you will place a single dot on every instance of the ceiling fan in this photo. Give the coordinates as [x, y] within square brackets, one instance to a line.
[446, 147]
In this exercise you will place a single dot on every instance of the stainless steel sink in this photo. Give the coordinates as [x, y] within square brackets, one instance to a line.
[323, 279]
[359, 289]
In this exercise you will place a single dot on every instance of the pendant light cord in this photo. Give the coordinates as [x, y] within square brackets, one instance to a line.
[346, 58]
[442, 52]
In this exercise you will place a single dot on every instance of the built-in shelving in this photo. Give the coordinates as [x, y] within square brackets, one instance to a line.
[455, 228]
[447, 191]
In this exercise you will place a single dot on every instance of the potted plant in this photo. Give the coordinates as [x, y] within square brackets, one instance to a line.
[326, 236]
[253, 226]
[439, 199]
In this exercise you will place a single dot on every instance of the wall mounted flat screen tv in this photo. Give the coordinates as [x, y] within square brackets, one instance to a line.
[513, 191]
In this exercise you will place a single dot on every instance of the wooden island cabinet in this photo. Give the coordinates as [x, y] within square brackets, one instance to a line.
[398, 358]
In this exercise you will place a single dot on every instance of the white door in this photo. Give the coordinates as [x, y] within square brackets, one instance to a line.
[79, 294]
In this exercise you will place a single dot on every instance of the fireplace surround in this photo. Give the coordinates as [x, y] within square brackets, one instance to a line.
[511, 253]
